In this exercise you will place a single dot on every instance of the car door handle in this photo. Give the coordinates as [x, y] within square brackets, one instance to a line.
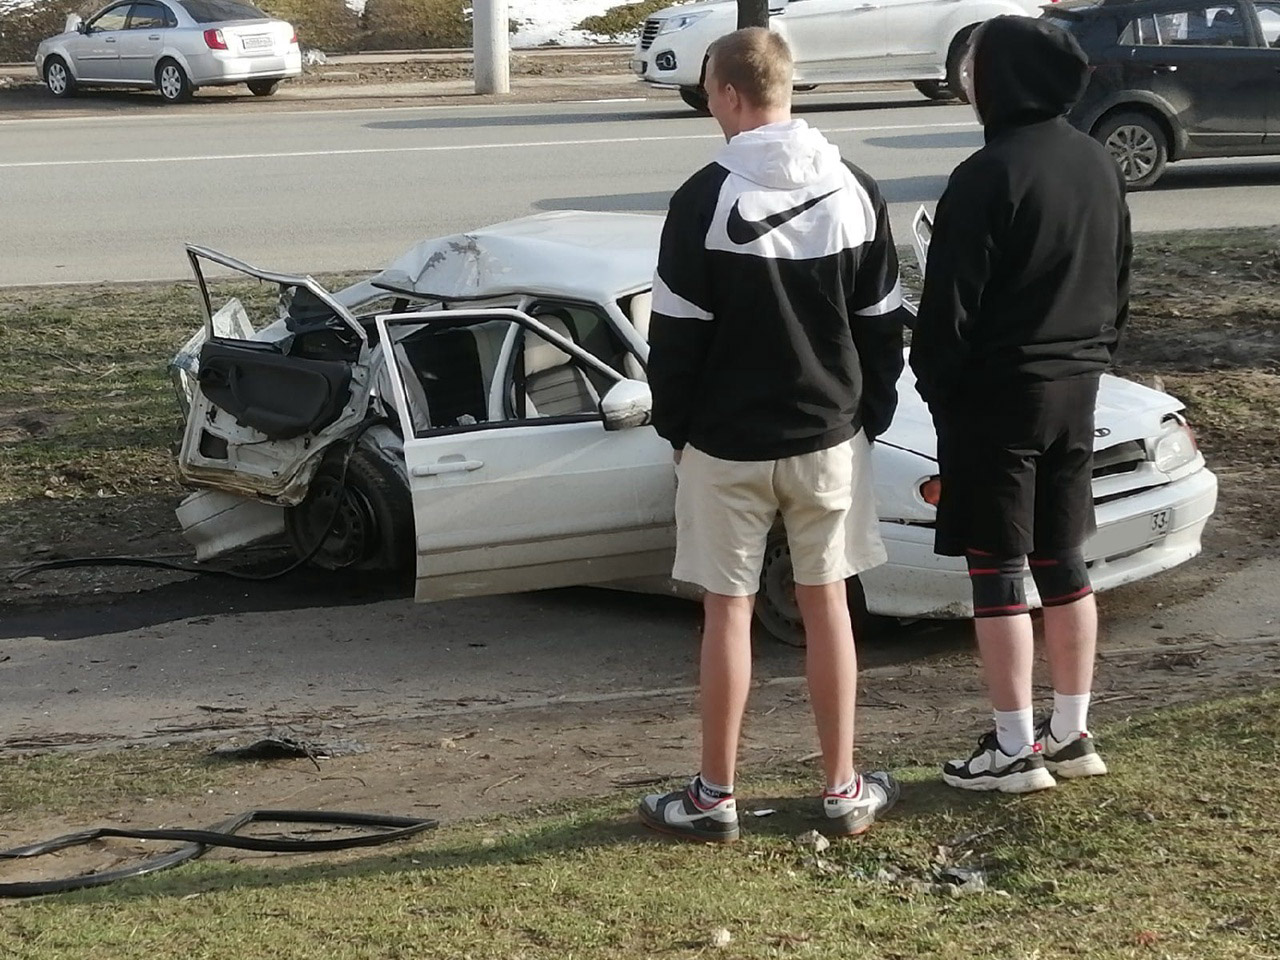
[447, 466]
[154, 36]
[1166, 68]
[109, 40]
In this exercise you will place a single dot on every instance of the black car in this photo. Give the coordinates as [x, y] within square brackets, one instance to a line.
[1177, 79]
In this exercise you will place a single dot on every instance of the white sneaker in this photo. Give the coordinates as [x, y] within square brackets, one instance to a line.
[679, 813]
[849, 814]
[990, 768]
[1076, 756]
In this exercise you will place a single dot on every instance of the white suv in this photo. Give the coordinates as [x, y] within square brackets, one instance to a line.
[834, 41]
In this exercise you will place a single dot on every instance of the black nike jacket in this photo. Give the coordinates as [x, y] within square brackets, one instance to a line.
[1028, 269]
[777, 311]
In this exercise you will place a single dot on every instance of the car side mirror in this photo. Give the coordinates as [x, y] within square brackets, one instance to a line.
[74, 24]
[627, 405]
[83, 28]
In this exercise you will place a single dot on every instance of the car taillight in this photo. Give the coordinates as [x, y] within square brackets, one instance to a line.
[931, 491]
[214, 40]
[294, 39]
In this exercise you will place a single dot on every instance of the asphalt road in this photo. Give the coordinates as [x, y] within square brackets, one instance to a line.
[114, 197]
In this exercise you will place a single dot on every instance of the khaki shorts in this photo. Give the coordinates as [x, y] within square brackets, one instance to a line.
[726, 508]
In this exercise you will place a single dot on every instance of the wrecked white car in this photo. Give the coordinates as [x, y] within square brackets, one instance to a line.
[479, 408]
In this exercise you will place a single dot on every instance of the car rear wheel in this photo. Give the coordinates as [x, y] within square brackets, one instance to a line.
[695, 97]
[58, 78]
[935, 89]
[1138, 145]
[369, 514]
[263, 88]
[172, 82]
[779, 613]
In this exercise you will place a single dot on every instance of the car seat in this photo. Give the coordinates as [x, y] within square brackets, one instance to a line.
[553, 383]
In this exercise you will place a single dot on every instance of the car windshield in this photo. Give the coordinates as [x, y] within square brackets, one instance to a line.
[216, 11]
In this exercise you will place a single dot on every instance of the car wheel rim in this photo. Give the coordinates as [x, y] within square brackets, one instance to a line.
[170, 83]
[350, 536]
[57, 79]
[779, 609]
[1135, 150]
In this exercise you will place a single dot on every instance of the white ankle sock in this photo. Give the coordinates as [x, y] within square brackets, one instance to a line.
[850, 789]
[1015, 729]
[1070, 714]
[709, 794]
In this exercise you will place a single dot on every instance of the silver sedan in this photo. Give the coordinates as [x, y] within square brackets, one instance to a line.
[174, 46]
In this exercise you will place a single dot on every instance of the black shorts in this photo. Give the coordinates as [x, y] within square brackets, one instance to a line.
[1016, 464]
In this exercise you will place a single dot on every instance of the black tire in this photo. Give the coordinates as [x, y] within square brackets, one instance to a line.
[263, 88]
[58, 78]
[172, 82]
[935, 89]
[776, 609]
[695, 97]
[1138, 144]
[374, 527]
[955, 57]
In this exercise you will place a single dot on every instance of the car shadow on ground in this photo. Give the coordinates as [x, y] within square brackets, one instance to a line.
[950, 140]
[924, 189]
[1261, 173]
[570, 117]
[792, 815]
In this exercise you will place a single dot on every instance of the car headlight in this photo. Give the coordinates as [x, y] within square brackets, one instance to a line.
[1175, 448]
[672, 24]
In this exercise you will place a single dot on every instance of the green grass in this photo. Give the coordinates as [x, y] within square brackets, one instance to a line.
[621, 20]
[1177, 854]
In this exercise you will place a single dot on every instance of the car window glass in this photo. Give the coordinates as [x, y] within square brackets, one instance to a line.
[1269, 17]
[113, 19]
[588, 327]
[1220, 25]
[216, 11]
[148, 16]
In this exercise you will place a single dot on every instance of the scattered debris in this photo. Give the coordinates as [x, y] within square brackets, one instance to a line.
[288, 748]
[813, 841]
[764, 812]
[720, 938]
[214, 708]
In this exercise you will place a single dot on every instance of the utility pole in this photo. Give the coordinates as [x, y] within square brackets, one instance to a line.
[491, 46]
[753, 13]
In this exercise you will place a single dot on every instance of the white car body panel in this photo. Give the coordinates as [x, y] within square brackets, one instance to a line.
[833, 41]
[522, 504]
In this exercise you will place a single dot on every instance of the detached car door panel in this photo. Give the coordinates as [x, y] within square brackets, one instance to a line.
[530, 498]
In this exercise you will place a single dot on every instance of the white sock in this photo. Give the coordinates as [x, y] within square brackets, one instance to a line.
[850, 789]
[1070, 714]
[709, 794]
[1015, 729]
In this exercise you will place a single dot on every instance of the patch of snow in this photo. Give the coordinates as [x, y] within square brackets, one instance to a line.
[540, 22]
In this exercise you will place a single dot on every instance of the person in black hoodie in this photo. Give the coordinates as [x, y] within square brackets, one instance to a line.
[1025, 295]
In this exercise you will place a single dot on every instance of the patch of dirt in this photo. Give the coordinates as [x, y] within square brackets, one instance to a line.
[34, 423]
[502, 764]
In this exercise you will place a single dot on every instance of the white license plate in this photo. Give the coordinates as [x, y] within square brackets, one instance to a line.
[257, 43]
[638, 67]
[1160, 521]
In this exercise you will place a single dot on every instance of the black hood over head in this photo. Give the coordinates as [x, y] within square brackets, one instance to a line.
[1025, 71]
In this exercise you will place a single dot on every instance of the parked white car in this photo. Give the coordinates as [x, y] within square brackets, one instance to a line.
[174, 46]
[509, 365]
[833, 41]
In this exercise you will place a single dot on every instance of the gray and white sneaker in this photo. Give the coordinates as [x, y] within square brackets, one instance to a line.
[849, 814]
[1076, 756]
[990, 768]
[680, 814]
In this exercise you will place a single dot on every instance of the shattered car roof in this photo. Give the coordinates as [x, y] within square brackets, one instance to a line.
[595, 256]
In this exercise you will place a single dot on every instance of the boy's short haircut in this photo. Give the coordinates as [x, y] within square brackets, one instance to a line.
[757, 63]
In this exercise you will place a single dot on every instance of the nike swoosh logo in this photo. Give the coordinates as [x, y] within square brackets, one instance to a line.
[743, 231]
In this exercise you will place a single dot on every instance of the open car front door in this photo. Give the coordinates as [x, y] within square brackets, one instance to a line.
[530, 461]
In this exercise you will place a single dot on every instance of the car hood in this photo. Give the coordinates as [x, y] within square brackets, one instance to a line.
[1126, 411]
[705, 6]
